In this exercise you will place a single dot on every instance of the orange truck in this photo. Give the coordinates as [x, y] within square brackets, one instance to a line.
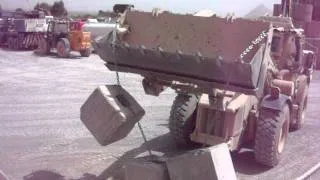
[65, 36]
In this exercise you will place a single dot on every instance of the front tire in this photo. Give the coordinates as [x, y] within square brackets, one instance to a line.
[63, 48]
[10, 42]
[271, 135]
[183, 118]
[43, 47]
[85, 52]
[16, 44]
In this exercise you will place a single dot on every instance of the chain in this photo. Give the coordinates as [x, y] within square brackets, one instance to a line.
[145, 139]
[114, 40]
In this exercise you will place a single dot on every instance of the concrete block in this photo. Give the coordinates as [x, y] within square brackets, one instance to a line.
[313, 30]
[277, 9]
[213, 163]
[110, 113]
[146, 170]
[302, 12]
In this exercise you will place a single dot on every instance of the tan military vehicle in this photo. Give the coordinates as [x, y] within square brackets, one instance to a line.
[237, 80]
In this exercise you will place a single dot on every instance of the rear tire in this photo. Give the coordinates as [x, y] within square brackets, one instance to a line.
[63, 48]
[183, 118]
[10, 42]
[271, 136]
[43, 47]
[16, 44]
[85, 52]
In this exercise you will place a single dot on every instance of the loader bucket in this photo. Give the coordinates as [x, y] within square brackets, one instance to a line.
[207, 51]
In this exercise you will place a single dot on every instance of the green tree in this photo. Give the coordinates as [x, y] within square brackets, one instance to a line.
[43, 6]
[19, 10]
[58, 9]
[100, 13]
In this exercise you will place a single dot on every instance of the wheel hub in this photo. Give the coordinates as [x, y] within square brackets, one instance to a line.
[60, 49]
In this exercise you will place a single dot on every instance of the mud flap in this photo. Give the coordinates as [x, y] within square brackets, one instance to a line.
[110, 113]
[276, 104]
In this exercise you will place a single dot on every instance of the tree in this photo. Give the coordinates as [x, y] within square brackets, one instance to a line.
[43, 6]
[58, 9]
[19, 10]
[100, 13]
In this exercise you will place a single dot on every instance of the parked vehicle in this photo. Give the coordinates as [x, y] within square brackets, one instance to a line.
[65, 36]
[22, 30]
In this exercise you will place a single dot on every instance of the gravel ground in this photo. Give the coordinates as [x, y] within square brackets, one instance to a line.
[42, 136]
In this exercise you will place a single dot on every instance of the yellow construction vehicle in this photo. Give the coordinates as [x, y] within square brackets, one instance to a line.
[65, 36]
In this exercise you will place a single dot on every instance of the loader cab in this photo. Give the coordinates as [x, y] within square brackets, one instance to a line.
[58, 27]
[57, 30]
[288, 53]
[288, 44]
[287, 48]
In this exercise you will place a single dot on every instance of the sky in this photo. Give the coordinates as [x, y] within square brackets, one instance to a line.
[221, 7]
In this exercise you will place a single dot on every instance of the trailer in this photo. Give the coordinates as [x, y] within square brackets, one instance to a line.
[22, 30]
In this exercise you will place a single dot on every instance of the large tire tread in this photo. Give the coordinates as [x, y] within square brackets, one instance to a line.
[43, 47]
[65, 53]
[10, 43]
[267, 136]
[85, 52]
[182, 118]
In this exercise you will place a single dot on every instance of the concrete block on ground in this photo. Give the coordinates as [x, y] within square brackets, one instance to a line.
[277, 9]
[146, 170]
[213, 163]
[313, 29]
[302, 12]
[316, 12]
[110, 113]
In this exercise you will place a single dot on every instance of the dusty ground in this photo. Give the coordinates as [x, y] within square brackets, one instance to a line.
[42, 136]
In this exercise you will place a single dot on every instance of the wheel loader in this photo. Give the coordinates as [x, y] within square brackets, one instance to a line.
[65, 36]
[237, 81]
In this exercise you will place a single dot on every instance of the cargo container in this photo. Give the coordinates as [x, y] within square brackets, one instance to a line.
[22, 30]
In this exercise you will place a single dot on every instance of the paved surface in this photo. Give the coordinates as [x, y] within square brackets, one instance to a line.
[314, 176]
[42, 136]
